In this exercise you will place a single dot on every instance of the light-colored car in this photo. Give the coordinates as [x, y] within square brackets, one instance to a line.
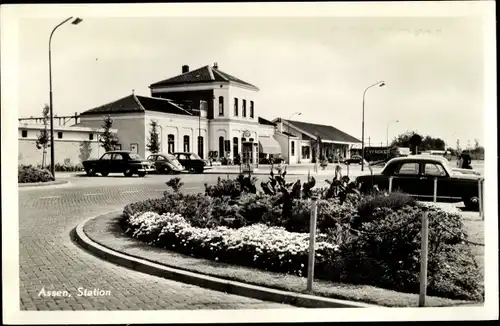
[166, 163]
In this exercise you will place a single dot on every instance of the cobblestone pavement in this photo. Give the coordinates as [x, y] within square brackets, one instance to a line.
[49, 260]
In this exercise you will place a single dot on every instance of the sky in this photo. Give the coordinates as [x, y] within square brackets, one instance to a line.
[433, 67]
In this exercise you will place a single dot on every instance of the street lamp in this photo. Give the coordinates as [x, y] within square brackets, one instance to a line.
[296, 113]
[379, 84]
[74, 22]
[387, 135]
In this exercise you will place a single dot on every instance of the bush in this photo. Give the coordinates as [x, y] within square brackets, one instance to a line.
[28, 174]
[374, 202]
[269, 248]
[68, 167]
[388, 259]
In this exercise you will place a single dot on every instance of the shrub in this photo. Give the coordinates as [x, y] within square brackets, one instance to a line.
[28, 174]
[68, 167]
[269, 248]
[392, 201]
[224, 187]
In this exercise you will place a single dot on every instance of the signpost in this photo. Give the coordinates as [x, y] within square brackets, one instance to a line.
[435, 189]
[423, 259]
[312, 241]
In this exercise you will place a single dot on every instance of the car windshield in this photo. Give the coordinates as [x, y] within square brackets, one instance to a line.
[195, 156]
[135, 157]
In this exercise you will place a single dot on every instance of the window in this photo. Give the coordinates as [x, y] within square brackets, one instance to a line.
[171, 144]
[118, 157]
[153, 158]
[221, 105]
[435, 170]
[235, 107]
[244, 108]
[408, 169]
[24, 133]
[306, 150]
[293, 148]
[221, 146]
[251, 109]
[186, 143]
[106, 157]
[235, 146]
[227, 145]
[91, 136]
[118, 147]
[59, 135]
[200, 146]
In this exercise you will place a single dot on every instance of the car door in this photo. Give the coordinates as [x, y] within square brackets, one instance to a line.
[183, 160]
[118, 163]
[154, 159]
[406, 178]
[430, 172]
[104, 162]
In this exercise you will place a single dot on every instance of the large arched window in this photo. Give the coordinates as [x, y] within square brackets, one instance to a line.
[186, 143]
[200, 146]
[171, 143]
[221, 146]
[221, 105]
[235, 146]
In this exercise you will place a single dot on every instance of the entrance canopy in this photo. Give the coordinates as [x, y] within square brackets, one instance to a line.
[269, 145]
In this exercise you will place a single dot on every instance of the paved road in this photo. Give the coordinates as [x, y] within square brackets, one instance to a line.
[50, 261]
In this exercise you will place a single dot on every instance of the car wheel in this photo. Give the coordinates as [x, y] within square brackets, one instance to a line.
[128, 173]
[472, 203]
[142, 174]
[105, 173]
[162, 169]
[199, 170]
[191, 170]
[90, 172]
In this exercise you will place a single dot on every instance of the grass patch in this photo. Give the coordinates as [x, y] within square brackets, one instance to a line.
[105, 231]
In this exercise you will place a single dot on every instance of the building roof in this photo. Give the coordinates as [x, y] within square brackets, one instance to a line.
[135, 103]
[263, 121]
[324, 131]
[204, 74]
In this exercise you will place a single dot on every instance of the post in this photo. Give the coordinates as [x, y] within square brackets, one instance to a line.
[423, 259]
[312, 240]
[390, 184]
[363, 135]
[308, 175]
[347, 167]
[435, 189]
[480, 195]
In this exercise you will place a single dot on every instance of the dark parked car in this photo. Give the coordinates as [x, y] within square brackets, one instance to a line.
[355, 159]
[166, 163]
[191, 162]
[124, 162]
[415, 175]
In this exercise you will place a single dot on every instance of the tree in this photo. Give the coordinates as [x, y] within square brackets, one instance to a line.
[43, 138]
[85, 150]
[153, 140]
[317, 148]
[425, 143]
[108, 139]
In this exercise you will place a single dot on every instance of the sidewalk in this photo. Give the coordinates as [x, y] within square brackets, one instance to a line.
[296, 169]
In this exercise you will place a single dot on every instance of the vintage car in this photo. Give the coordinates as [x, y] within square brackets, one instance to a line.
[191, 162]
[415, 175]
[124, 162]
[166, 163]
[356, 159]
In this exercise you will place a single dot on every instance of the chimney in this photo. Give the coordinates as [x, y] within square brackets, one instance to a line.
[216, 66]
[280, 125]
[185, 69]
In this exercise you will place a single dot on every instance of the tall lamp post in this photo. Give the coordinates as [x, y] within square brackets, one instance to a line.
[387, 135]
[379, 84]
[296, 113]
[74, 22]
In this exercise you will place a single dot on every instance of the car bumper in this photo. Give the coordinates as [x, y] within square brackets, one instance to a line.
[146, 170]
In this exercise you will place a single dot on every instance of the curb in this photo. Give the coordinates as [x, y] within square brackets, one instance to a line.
[209, 282]
[42, 184]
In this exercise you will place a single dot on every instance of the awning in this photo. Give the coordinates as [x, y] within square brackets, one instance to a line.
[269, 145]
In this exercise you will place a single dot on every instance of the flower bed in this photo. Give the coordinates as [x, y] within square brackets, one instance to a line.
[31, 174]
[376, 238]
[258, 245]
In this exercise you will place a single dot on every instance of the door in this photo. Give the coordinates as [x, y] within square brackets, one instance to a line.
[118, 163]
[430, 172]
[247, 156]
[406, 178]
[105, 162]
[184, 160]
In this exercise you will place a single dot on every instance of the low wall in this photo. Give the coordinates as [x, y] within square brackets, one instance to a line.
[29, 155]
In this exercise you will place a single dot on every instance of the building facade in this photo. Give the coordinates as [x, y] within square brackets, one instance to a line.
[213, 114]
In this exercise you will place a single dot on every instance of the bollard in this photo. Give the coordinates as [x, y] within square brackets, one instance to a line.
[390, 184]
[423, 259]
[480, 195]
[308, 175]
[435, 189]
[347, 167]
[312, 240]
